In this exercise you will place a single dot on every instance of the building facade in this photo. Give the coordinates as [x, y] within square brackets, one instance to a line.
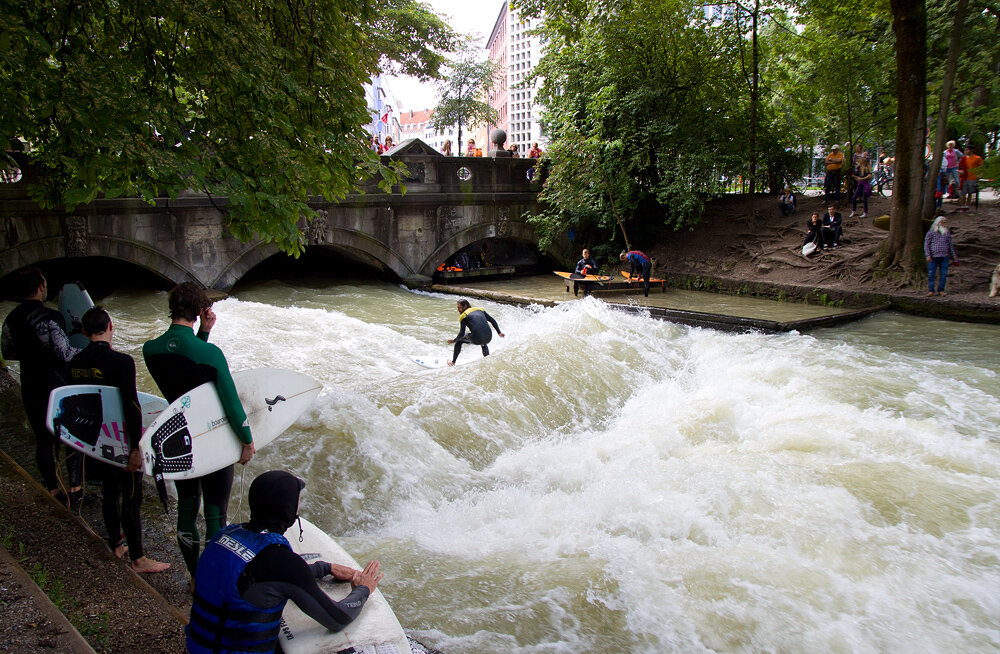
[516, 52]
[417, 124]
[381, 109]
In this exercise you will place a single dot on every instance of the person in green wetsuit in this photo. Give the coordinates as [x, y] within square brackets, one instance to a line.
[478, 323]
[179, 361]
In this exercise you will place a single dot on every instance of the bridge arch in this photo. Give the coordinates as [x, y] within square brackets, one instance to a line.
[138, 254]
[335, 237]
[516, 231]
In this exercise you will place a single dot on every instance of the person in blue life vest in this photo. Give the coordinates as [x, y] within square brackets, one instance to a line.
[248, 572]
[639, 265]
[478, 322]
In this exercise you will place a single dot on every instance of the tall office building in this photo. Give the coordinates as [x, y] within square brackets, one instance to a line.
[516, 53]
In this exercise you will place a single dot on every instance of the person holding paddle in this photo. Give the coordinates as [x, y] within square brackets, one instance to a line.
[585, 266]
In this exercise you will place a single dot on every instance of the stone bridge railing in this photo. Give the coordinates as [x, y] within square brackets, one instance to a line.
[450, 203]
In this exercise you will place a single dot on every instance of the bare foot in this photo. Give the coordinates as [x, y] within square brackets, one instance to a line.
[120, 551]
[451, 363]
[146, 565]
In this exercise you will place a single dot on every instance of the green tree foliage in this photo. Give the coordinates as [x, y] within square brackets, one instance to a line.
[261, 102]
[462, 90]
[647, 114]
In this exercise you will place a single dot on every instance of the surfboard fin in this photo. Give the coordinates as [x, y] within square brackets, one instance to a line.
[161, 484]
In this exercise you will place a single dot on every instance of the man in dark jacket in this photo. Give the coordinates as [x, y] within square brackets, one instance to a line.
[36, 336]
[478, 323]
[585, 266]
[121, 487]
[248, 573]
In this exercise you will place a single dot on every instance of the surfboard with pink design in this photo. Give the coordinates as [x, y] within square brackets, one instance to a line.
[89, 418]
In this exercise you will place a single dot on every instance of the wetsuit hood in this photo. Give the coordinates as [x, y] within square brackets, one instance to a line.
[274, 501]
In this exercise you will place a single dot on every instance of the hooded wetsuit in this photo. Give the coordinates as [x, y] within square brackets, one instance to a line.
[249, 572]
[478, 322]
[179, 361]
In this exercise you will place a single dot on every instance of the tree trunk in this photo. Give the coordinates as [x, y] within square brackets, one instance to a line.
[754, 95]
[941, 129]
[903, 247]
[461, 146]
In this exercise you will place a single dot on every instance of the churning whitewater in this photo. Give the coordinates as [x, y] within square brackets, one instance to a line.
[604, 482]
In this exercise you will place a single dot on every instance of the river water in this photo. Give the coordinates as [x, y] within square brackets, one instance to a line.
[605, 482]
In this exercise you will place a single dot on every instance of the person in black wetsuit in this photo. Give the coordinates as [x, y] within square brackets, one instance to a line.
[478, 323]
[248, 572]
[36, 336]
[122, 487]
[585, 266]
[179, 361]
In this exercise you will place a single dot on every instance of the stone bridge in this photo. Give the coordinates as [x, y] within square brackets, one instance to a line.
[450, 203]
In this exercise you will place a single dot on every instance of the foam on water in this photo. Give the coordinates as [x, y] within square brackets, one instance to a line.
[606, 482]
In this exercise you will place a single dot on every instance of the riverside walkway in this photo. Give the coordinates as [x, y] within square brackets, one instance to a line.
[695, 308]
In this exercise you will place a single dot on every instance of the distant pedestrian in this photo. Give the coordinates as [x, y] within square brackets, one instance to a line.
[862, 187]
[969, 165]
[939, 249]
[952, 157]
[834, 172]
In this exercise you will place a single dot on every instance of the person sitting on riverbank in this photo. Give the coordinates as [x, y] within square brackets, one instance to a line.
[36, 336]
[178, 362]
[939, 249]
[585, 266]
[786, 203]
[249, 572]
[478, 322]
[638, 264]
[99, 364]
[814, 231]
[832, 227]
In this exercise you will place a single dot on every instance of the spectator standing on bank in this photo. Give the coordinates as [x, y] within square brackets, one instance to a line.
[834, 172]
[939, 249]
[446, 148]
[863, 187]
[952, 157]
[470, 150]
[969, 165]
[513, 151]
[535, 152]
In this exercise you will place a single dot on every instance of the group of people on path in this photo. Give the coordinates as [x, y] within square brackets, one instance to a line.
[246, 572]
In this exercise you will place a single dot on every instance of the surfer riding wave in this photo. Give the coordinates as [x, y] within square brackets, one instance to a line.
[478, 322]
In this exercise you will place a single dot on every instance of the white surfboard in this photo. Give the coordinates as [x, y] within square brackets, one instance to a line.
[470, 353]
[375, 631]
[74, 301]
[193, 437]
[89, 418]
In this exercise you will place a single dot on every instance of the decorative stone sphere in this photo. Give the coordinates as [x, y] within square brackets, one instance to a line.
[498, 137]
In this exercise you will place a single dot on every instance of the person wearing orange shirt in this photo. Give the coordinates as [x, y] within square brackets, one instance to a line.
[968, 167]
[834, 170]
